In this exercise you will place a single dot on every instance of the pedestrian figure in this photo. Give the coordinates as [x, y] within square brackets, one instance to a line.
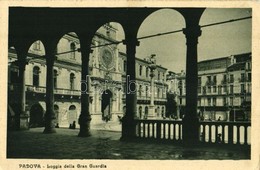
[218, 138]
[73, 126]
[70, 127]
[219, 118]
[57, 125]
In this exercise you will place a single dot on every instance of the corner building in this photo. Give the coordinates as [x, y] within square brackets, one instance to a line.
[224, 88]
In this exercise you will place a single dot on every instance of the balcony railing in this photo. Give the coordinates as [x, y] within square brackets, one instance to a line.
[159, 129]
[217, 132]
[41, 89]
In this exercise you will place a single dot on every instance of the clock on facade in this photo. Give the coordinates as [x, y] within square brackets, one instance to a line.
[107, 58]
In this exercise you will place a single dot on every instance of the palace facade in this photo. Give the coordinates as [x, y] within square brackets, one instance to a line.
[107, 81]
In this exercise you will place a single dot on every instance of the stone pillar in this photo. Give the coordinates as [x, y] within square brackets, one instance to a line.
[190, 127]
[128, 124]
[21, 118]
[85, 117]
[50, 48]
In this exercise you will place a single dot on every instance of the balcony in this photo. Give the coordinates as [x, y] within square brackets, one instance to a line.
[219, 132]
[41, 89]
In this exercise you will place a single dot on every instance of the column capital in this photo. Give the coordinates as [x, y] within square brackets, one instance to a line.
[192, 32]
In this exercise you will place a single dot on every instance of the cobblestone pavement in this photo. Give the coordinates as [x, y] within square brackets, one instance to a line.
[106, 145]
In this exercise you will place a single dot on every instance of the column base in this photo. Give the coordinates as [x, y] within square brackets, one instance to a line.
[190, 131]
[49, 122]
[84, 122]
[128, 129]
[24, 122]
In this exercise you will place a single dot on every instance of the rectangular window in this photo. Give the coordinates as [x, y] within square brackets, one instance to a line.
[214, 101]
[224, 88]
[231, 78]
[231, 101]
[224, 101]
[163, 77]
[204, 90]
[249, 77]
[208, 80]
[214, 80]
[209, 89]
[231, 89]
[242, 99]
[224, 79]
[209, 101]
[219, 89]
[214, 89]
[242, 88]
[140, 70]
[242, 77]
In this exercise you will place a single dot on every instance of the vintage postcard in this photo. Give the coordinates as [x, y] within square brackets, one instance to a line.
[129, 84]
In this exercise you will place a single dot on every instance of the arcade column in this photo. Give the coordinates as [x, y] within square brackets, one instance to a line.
[190, 130]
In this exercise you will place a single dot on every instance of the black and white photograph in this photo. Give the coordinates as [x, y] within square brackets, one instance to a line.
[86, 85]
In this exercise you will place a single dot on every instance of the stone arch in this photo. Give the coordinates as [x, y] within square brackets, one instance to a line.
[56, 110]
[72, 114]
[36, 116]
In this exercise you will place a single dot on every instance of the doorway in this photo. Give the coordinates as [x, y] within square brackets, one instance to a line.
[36, 116]
[106, 105]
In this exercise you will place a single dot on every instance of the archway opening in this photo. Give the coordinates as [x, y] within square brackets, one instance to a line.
[223, 47]
[106, 105]
[107, 66]
[72, 116]
[163, 58]
[36, 116]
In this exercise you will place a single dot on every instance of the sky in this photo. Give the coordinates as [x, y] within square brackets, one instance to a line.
[216, 41]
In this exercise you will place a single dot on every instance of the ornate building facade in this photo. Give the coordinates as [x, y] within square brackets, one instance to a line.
[224, 88]
[107, 81]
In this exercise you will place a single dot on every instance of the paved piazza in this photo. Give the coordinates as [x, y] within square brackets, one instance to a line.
[105, 144]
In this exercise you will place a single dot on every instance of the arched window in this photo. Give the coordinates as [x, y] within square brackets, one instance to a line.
[140, 70]
[72, 116]
[72, 81]
[140, 112]
[36, 72]
[146, 91]
[73, 50]
[55, 76]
